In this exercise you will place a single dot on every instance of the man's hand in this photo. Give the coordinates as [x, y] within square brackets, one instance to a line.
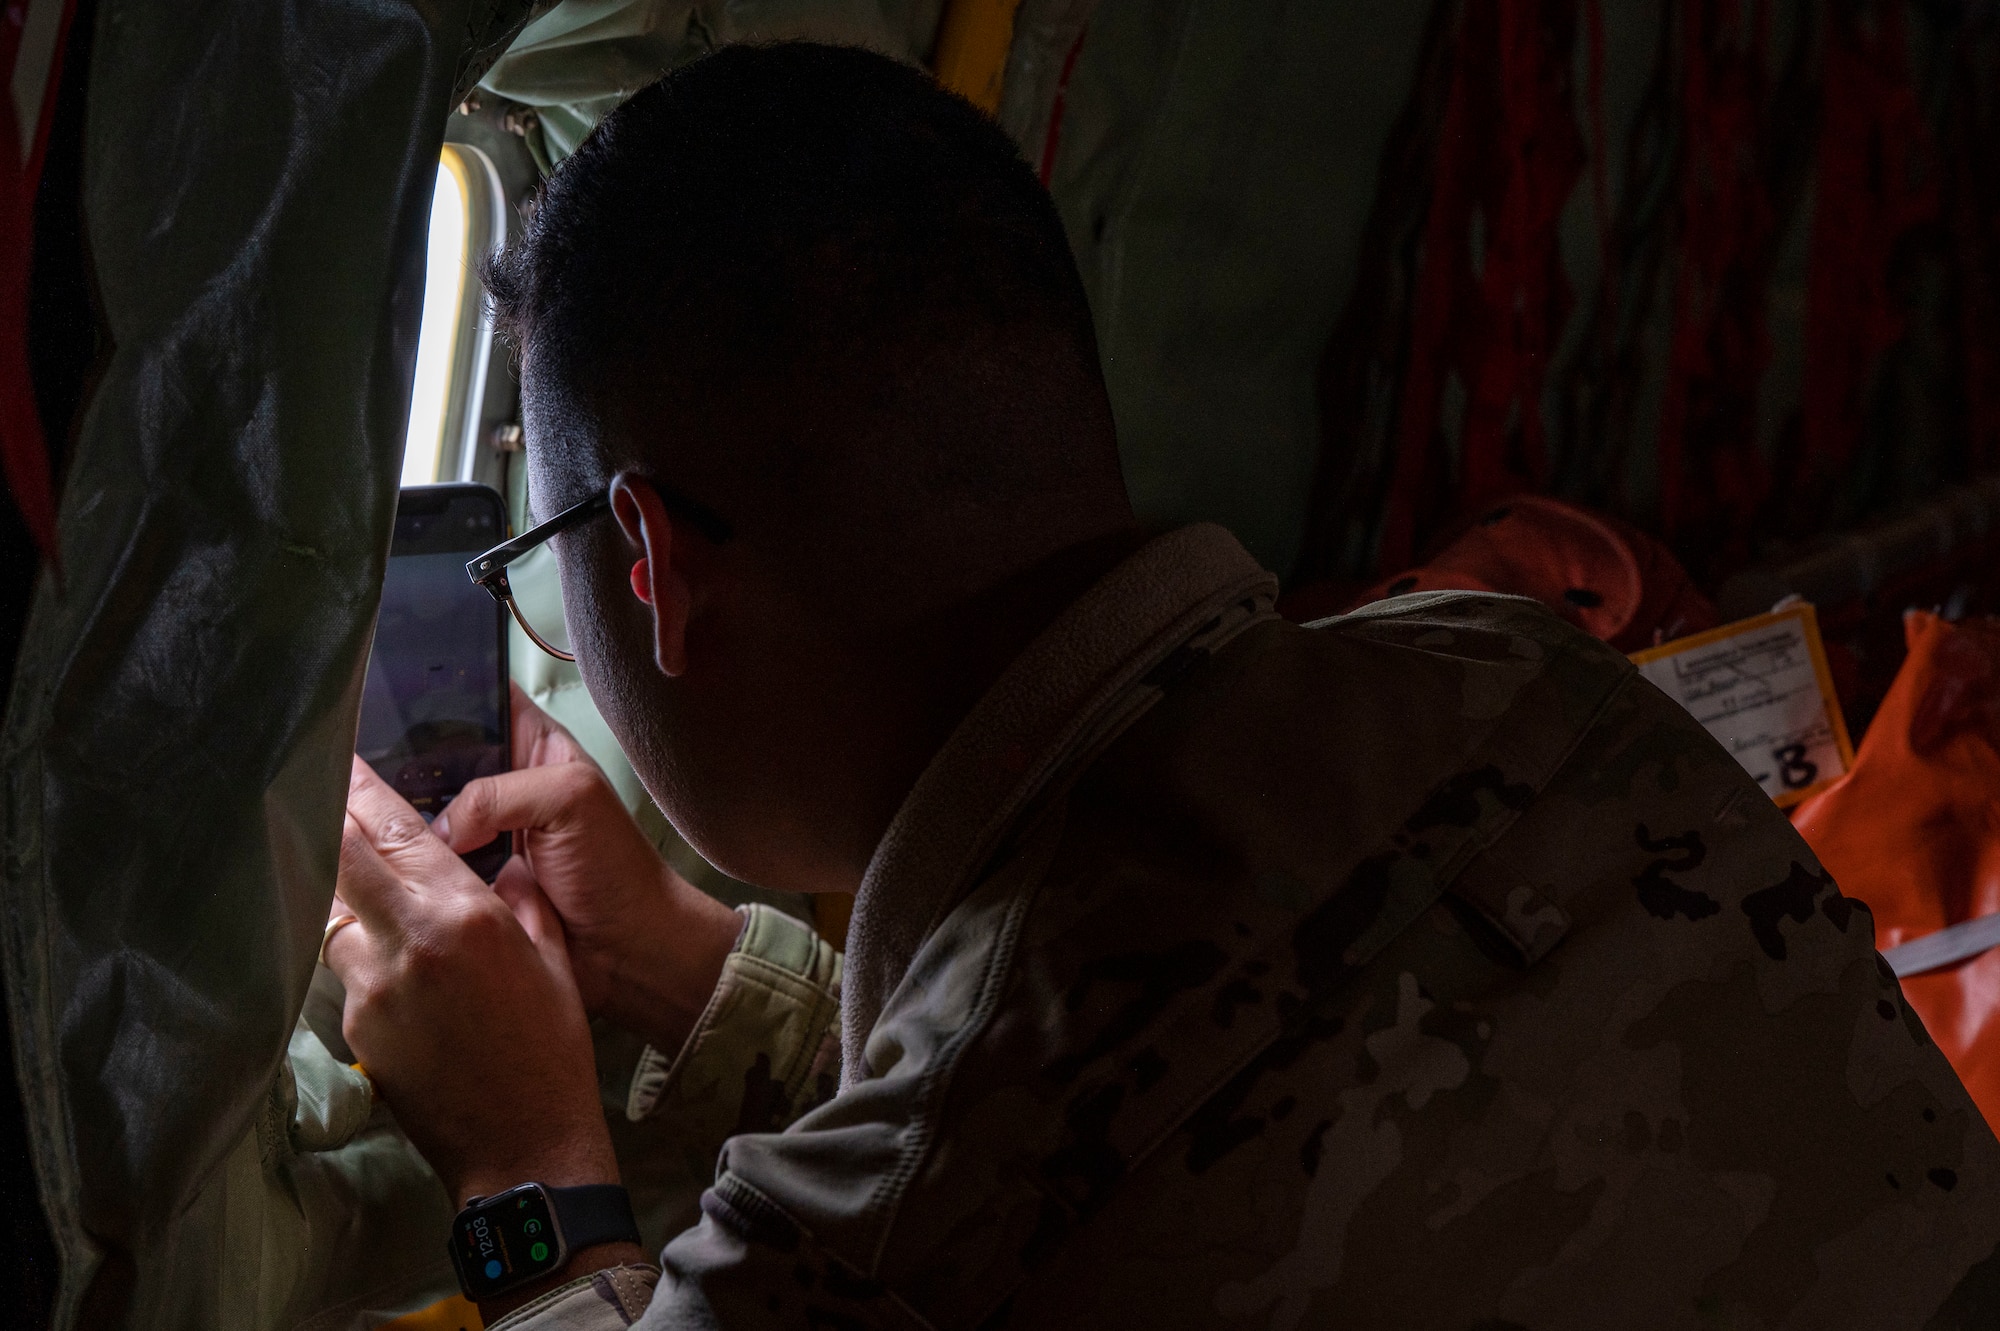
[461, 1006]
[646, 946]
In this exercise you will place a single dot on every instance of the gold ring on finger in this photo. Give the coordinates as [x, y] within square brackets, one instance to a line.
[334, 926]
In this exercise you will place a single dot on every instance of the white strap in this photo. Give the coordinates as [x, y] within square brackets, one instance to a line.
[1945, 947]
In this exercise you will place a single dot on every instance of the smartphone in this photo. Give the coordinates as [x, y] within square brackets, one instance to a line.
[434, 708]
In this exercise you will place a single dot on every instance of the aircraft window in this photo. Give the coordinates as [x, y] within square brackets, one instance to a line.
[455, 345]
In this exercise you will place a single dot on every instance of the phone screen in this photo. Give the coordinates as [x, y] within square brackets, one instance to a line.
[434, 709]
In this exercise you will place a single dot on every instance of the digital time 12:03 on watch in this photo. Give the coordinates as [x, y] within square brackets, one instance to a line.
[508, 1240]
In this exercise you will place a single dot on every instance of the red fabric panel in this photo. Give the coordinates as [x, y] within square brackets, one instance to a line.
[1056, 107]
[24, 453]
[1874, 184]
[1600, 143]
[1713, 480]
[1972, 123]
[1491, 297]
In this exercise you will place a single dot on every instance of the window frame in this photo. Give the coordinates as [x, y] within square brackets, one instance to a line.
[459, 448]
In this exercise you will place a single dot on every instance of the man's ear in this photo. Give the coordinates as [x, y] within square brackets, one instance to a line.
[656, 578]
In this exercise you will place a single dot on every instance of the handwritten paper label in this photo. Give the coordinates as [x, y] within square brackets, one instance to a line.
[1761, 687]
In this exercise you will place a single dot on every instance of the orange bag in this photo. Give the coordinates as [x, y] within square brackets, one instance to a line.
[1610, 580]
[1914, 831]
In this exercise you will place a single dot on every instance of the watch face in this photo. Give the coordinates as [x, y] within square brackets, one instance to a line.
[506, 1241]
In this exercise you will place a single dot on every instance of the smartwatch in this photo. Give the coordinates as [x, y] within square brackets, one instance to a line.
[503, 1242]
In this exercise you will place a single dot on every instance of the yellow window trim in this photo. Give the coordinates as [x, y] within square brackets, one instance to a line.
[973, 40]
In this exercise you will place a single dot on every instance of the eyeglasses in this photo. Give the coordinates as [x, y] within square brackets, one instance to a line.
[521, 574]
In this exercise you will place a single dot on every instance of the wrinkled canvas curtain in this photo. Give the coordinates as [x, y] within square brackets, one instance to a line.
[257, 179]
[574, 64]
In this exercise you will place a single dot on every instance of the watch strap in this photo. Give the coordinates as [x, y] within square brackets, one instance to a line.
[592, 1214]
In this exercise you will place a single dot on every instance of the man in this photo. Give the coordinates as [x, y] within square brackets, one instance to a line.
[1424, 968]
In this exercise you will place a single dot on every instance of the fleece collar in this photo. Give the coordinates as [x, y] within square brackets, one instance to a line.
[1077, 683]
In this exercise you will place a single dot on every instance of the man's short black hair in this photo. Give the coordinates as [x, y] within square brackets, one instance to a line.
[768, 210]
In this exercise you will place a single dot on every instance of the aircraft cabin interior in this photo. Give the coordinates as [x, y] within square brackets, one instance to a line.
[1260, 665]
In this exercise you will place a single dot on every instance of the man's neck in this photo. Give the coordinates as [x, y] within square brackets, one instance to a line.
[922, 681]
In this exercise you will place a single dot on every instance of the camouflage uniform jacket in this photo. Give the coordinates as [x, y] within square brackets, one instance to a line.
[1421, 968]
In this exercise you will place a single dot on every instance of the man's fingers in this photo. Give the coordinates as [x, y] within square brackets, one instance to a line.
[517, 887]
[339, 919]
[537, 797]
[539, 739]
[396, 831]
[367, 884]
[345, 950]
[531, 908]
[368, 888]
